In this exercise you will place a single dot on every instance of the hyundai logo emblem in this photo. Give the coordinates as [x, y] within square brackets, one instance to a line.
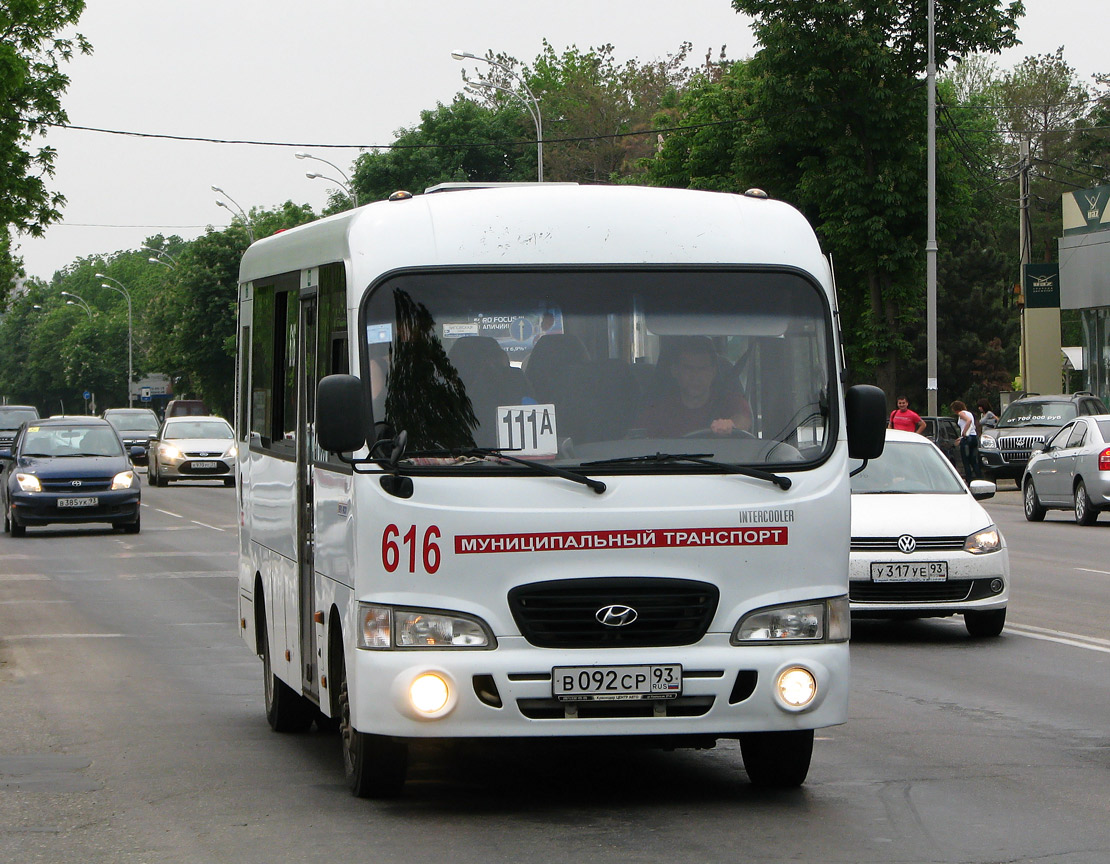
[74, 482]
[616, 615]
[907, 544]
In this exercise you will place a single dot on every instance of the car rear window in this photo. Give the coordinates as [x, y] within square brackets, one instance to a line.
[1104, 428]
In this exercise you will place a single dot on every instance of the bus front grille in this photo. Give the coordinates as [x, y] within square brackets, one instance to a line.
[613, 613]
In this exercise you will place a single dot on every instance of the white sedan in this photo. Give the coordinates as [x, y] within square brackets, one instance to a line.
[922, 545]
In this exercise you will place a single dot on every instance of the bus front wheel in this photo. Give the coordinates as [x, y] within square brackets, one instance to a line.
[375, 765]
[778, 760]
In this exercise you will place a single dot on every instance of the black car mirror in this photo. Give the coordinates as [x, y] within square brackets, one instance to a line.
[138, 452]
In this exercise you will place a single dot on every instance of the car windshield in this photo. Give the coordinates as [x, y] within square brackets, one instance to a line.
[199, 429]
[140, 421]
[906, 467]
[12, 418]
[604, 367]
[63, 441]
[1037, 413]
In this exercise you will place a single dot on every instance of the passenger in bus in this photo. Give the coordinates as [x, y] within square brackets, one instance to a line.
[695, 397]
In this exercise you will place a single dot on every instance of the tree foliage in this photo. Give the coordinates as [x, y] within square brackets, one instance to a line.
[31, 86]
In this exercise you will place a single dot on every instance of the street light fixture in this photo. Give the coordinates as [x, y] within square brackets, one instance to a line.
[80, 303]
[235, 208]
[172, 263]
[122, 289]
[533, 108]
[345, 183]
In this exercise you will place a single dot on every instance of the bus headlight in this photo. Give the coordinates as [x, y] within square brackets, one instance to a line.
[796, 687]
[394, 627]
[428, 693]
[821, 621]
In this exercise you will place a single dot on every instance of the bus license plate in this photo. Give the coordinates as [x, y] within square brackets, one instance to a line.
[203, 466]
[601, 683]
[918, 571]
[78, 502]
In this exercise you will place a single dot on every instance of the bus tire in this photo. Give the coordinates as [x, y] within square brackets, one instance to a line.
[777, 760]
[286, 710]
[375, 765]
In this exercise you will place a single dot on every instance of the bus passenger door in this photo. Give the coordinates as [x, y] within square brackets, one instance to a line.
[306, 429]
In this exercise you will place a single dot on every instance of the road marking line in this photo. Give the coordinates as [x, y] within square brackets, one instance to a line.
[1089, 570]
[27, 636]
[1062, 634]
[1073, 640]
[168, 513]
[206, 525]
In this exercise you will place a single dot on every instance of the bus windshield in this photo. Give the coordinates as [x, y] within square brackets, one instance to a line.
[589, 366]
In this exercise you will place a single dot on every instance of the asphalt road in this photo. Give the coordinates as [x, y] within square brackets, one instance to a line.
[132, 730]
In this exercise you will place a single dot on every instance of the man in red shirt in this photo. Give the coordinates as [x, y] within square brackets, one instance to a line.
[905, 419]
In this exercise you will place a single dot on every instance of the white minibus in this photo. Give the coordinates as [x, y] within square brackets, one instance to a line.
[548, 461]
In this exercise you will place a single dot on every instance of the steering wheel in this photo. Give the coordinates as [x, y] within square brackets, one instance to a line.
[706, 432]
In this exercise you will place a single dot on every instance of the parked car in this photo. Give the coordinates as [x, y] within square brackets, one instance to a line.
[944, 432]
[186, 408]
[1024, 427]
[192, 448]
[11, 418]
[68, 470]
[922, 545]
[136, 426]
[1071, 472]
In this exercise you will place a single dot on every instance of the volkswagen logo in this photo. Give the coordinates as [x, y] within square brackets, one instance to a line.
[74, 482]
[907, 544]
[616, 615]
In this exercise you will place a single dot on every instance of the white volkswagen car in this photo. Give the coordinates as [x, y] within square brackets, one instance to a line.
[922, 545]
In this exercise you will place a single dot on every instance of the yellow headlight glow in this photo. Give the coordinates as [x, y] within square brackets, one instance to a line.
[797, 687]
[428, 693]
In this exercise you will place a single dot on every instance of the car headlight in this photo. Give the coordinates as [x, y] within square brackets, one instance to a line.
[231, 452]
[981, 542]
[820, 621]
[169, 451]
[28, 482]
[988, 442]
[393, 627]
[123, 480]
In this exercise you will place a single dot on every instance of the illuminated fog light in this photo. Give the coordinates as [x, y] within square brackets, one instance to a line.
[429, 693]
[797, 687]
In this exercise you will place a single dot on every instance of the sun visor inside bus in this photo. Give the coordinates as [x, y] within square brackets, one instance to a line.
[748, 324]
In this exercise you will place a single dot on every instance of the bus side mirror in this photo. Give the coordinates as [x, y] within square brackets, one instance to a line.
[342, 424]
[865, 412]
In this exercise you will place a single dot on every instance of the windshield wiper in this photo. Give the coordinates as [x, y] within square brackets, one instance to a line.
[539, 467]
[697, 459]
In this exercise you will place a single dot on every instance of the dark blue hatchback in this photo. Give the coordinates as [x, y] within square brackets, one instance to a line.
[68, 470]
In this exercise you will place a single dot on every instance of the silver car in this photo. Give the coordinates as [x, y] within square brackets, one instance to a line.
[192, 448]
[1071, 472]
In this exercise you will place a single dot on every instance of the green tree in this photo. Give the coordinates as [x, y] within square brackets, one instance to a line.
[834, 122]
[460, 142]
[31, 86]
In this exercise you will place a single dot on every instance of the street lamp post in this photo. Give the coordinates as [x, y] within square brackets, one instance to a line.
[345, 183]
[80, 303]
[121, 289]
[235, 209]
[533, 108]
[172, 263]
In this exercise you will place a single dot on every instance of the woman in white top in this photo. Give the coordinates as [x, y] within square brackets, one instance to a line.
[968, 441]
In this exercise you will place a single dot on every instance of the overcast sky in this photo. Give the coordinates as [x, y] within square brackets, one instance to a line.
[336, 72]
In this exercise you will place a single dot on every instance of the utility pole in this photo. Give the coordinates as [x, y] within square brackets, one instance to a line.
[1023, 255]
[931, 234]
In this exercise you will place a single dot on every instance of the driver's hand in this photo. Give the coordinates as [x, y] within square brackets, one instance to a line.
[723, 426]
